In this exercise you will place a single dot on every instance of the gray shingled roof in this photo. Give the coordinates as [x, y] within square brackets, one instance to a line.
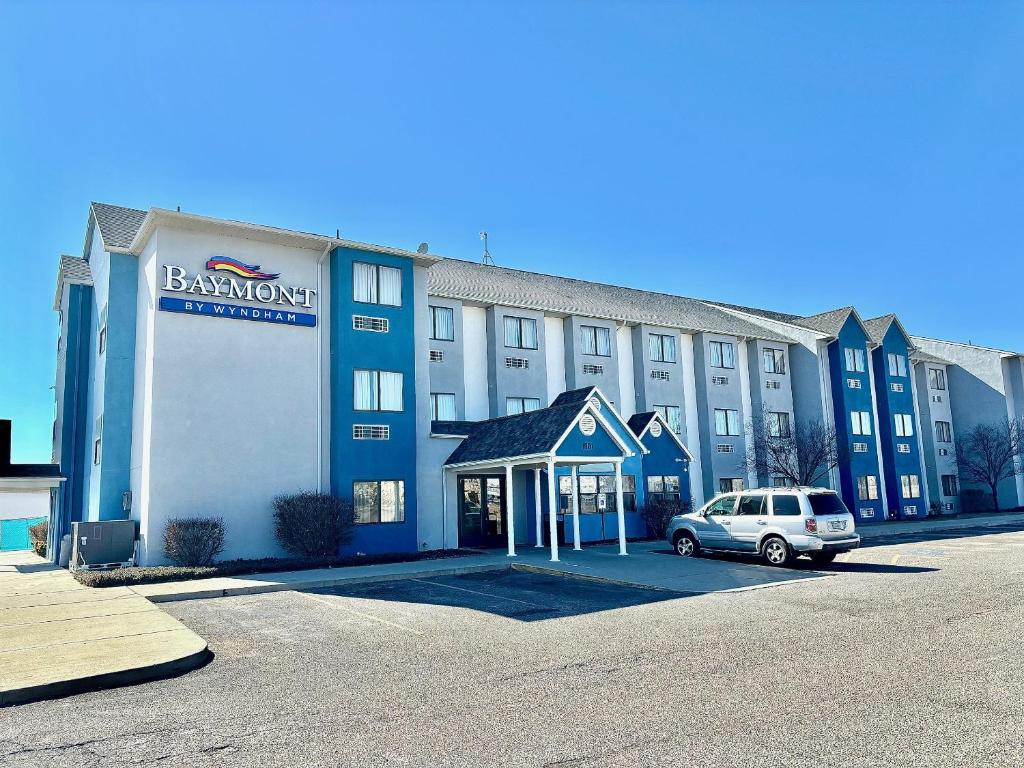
[117, 225]
[469, 281]
[830, 322]
[877, 327]
[919, 354]
[75, 270]
[768, 314]
[524, 434]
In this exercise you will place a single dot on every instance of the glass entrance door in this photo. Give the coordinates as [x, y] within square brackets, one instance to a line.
[482, 511]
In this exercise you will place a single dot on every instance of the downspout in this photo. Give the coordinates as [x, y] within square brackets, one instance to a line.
[444, 509]
[320, 371]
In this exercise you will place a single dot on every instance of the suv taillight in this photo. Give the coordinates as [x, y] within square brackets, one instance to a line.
[811, 525]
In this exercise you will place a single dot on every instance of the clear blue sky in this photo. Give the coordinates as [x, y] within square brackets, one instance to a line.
[799, 156]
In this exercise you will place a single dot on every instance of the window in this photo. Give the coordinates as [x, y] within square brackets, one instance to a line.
[597, 493]
[774, 361]
[781, 482]
[911, 486]
[942, 432]
[726, 506]
[904, 424]
[442, 323]
[722, 355]
[516, 405]
[365, 323]
[379, 501]
[861, 422]
[371, 432]
[662, 347]
[855, 360]
[936, 378]
[949, 485]
[663, 487]
[827, 504]
[778, 425]
[727, 422]
[377, 391]
[897, 365]
[375, 284]
[595, 341]
[672, 416]
[520, 332]
[752, 505]
[103, 331]
[727, 484]
[867, 487]
[786, 505]
[442, 406]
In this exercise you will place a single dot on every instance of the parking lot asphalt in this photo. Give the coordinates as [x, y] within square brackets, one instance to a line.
[909, 654]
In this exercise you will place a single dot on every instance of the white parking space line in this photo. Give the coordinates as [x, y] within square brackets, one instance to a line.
[476, 592]
[334, 605]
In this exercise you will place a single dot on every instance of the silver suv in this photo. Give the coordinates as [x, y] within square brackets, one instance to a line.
[777, 523]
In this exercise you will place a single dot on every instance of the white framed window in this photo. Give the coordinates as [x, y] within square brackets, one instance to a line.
[778, 424]
[730, 484]
[911, 486]
[727, 422]
[379, 501]
[376, 284]
[375, 324]
[672, 416]
[723, 354]
[775, 361]
[860, 422]
[855, 360]
[377, 390]
[102, 342]
[943, 433]
[662, 347]
[520, 332]
[516, 405]
[897, 364]
[595, 340]
[371, 432]
[950, 486]
[442, 406]
[904, 424]
[867, 487]
[442, 323]
[936, 378]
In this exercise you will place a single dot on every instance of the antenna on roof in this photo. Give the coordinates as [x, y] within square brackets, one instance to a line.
[486, 259]
[179, 209]
[337, 234]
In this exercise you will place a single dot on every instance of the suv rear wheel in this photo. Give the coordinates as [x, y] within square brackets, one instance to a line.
[686, 545]
[776, 551]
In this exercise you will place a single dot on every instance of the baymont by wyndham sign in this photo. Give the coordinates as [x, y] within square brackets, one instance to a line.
[274, 303]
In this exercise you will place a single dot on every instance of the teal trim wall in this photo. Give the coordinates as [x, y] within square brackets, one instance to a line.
[393, 459]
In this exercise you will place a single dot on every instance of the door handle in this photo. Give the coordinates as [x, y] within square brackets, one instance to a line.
[762, 522]
[727, 522]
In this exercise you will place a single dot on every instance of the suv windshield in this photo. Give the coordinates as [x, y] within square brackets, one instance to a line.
[827, 504]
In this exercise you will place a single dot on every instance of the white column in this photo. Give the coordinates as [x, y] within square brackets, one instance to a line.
[552, 508]
[510, 518]
[536, 504]
[621, 508]
[575, 510]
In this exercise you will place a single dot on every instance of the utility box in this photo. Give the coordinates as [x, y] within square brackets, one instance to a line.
[106, 544]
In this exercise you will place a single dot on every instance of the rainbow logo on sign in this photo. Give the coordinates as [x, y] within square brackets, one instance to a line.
[250, 271]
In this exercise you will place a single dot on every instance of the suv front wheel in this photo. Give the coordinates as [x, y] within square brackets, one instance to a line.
[775, 551]
[686, 545]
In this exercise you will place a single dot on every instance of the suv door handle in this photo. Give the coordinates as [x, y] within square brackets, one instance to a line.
[727, 522]
[762, 522]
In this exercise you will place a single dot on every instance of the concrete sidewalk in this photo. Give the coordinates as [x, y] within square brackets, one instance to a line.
[937, 525]
[58, 637]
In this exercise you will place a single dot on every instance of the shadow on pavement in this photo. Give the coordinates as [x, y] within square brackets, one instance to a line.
[510, 594]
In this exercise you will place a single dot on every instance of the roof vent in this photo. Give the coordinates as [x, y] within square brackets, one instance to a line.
[588, 425]
[656, 428]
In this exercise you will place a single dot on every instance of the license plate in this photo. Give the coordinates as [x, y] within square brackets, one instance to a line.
[837, 525]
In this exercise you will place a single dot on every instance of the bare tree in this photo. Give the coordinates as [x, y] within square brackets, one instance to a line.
[987, 454]
[803, 453]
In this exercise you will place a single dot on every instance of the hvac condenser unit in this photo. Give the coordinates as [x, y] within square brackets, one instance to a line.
[106, 544]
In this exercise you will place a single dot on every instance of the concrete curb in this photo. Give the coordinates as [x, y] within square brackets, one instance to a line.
[888, 530]
[61, 688]
[264, 587]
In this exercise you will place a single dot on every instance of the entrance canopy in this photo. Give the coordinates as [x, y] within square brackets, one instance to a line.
[580, 427]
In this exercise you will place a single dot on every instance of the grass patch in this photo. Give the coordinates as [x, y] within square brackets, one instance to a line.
[128, 577]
